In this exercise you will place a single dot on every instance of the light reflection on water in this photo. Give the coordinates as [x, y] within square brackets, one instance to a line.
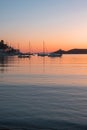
[68, 70]
[43, 93]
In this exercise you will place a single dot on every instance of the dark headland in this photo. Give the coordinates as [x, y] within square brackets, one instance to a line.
[7, 50]
[72, 51]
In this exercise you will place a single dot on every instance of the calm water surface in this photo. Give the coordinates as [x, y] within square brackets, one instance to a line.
[43, 93]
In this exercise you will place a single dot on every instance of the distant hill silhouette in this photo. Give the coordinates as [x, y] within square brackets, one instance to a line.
[73, 51]
[3, 45]
[7, 49]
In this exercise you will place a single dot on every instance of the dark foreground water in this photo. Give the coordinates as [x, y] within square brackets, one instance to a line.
[43, 93]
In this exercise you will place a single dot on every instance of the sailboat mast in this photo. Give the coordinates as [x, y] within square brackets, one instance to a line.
[29, 47]
[43, 47]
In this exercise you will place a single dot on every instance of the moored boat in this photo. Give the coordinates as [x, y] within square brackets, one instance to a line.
[44, 51]
[42, 54]
[54, 55]
[23, 56]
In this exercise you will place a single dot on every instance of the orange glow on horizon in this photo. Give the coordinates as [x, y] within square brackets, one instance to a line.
[64, 41]
[49, 47]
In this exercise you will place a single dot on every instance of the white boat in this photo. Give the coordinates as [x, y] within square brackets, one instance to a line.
[44, 51]
[23, 56]
[54, 55]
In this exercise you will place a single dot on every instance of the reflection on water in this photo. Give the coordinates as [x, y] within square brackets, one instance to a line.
[43, 93]
[3, 63]
[68, 70]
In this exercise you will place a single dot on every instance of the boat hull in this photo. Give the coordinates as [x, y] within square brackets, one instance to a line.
[54, 55]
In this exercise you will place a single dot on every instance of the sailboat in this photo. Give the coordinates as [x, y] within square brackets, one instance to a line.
[29, 49]
[54, 54]
[44, 52]
[25, 55]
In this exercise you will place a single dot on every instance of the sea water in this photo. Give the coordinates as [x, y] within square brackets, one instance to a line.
[43, 93]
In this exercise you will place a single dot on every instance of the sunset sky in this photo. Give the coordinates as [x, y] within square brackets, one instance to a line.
[60, 23]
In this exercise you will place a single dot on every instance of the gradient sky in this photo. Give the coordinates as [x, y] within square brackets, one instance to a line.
[60, 23]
